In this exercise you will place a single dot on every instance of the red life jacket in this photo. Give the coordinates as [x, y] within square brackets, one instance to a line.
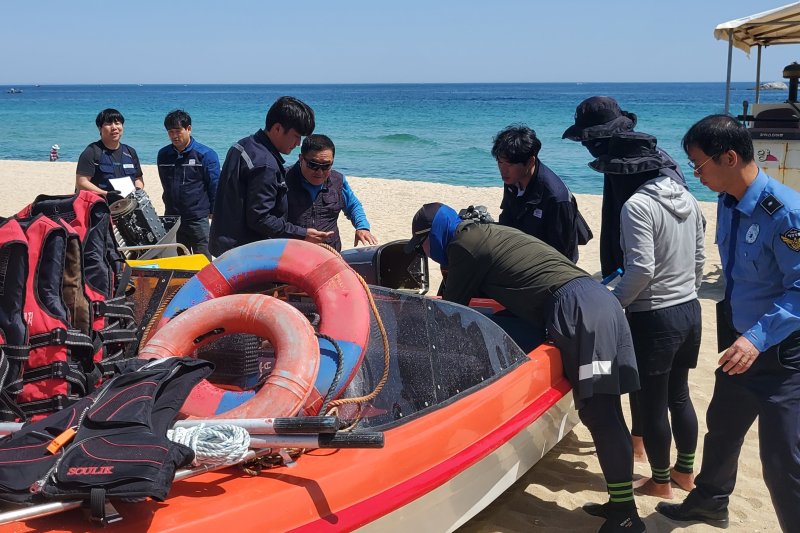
[60, 367]
[88, 214]
[13, 330]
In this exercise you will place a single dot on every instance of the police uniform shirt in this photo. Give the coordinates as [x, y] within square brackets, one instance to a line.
[760, 255]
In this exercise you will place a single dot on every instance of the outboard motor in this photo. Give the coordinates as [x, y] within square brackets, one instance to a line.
[136, 219]
[792, 73]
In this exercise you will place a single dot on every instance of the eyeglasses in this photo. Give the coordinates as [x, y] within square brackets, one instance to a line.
[696, 169]
[313, 165]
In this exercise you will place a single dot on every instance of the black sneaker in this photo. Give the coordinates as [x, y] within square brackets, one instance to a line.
[680, 512]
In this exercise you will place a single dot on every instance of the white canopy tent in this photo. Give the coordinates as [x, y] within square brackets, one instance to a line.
[776, 26]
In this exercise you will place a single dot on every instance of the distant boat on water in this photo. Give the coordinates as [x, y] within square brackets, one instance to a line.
[14, 91]
[774, 86]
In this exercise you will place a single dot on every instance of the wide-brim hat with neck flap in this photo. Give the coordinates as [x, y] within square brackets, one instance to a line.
[631, 152]
[599, 117]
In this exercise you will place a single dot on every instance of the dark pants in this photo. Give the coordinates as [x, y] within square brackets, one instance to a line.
[194, 235]
[770, 392]
[602, 415]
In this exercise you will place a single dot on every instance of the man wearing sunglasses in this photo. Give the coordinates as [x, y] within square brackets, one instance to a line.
[251, 202]
[317, 194]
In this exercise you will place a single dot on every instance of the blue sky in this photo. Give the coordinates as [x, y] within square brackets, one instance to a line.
[358, 41]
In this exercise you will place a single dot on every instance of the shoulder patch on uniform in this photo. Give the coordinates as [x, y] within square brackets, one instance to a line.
[791, 238]
[770, 204]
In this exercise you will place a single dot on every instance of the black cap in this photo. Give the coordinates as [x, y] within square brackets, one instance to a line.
[599, 117]
[421, 225]
[631, 152]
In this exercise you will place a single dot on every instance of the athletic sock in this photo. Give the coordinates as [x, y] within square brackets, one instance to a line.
[620, 495]
[685, 463]
[660, 475]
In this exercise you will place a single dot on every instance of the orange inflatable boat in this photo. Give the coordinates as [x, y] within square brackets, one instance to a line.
[468, 407]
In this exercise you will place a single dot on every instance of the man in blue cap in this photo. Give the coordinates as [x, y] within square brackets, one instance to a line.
[583, 319]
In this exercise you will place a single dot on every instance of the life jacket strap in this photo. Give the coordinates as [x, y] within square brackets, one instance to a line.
[115, 307]
[114, 335]
[15, 353]
[47, 405]
[61, 336]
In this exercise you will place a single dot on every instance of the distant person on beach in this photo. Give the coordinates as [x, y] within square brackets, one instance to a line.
[251, 202]
[189, 173]
[758, 327]
[535, 200]
[662, 243]
[596, 119]
[317, 194]
[54, 152]
[584, 320]
[108, 158]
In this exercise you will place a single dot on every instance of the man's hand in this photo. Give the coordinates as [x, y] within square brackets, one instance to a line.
[365, 237]
[316, 236]
[739, 357]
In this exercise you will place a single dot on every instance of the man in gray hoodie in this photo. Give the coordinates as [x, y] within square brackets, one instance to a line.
[661, 236]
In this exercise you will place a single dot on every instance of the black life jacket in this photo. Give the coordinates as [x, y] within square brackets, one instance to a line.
[322, 212]
[88, 214]
[120, 445]
[13, 330]
[107, 168]
[60, 367]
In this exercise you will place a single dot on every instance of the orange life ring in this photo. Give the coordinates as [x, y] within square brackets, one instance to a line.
[326, 277]
[296, 354]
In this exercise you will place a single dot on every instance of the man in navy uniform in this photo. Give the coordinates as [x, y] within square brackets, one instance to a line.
[535, 200]
[758, 234]
[189, 173]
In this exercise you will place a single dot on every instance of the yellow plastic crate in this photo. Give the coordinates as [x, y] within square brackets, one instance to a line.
[180, 262]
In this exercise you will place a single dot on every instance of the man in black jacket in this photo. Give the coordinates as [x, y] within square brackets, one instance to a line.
[535, 200]
[251, 202]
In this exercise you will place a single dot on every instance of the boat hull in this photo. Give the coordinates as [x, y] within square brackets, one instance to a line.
[436, 470]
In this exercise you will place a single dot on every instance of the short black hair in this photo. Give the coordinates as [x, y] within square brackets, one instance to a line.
[317, 142]
[716, 134]
[291, 113]
[516, 143]
[177, 119]
[109, 116]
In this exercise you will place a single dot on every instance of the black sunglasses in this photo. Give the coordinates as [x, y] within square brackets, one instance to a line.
[313, 165]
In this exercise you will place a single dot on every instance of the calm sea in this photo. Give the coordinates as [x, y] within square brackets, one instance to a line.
[428, 132]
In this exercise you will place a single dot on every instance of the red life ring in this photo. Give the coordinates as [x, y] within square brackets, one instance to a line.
[326, 277]
[296, 354]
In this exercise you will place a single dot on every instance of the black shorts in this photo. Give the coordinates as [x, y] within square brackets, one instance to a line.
[666, 338]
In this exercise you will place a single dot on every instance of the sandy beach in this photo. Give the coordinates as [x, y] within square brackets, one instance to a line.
[548, 498]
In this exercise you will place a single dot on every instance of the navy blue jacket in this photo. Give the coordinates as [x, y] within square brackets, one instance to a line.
[251, 203]
[189, 179]
[546, 210]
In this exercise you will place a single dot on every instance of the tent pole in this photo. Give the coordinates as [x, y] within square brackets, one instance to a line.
[728, 81]
[758, 76]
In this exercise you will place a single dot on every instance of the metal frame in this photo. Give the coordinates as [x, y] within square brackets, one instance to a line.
[745, 34]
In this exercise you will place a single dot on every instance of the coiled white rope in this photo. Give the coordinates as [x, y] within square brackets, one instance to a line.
[213, 445]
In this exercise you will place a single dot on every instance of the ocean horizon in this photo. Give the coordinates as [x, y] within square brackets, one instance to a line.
[433, 132]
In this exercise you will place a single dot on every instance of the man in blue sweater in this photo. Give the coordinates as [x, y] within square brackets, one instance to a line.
[317, 194]
[189, 173]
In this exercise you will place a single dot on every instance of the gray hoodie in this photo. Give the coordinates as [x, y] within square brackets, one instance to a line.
[661, 234]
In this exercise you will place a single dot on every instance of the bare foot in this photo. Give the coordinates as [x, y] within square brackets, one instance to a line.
[648, 487]
[684, 481]
[639, 455]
